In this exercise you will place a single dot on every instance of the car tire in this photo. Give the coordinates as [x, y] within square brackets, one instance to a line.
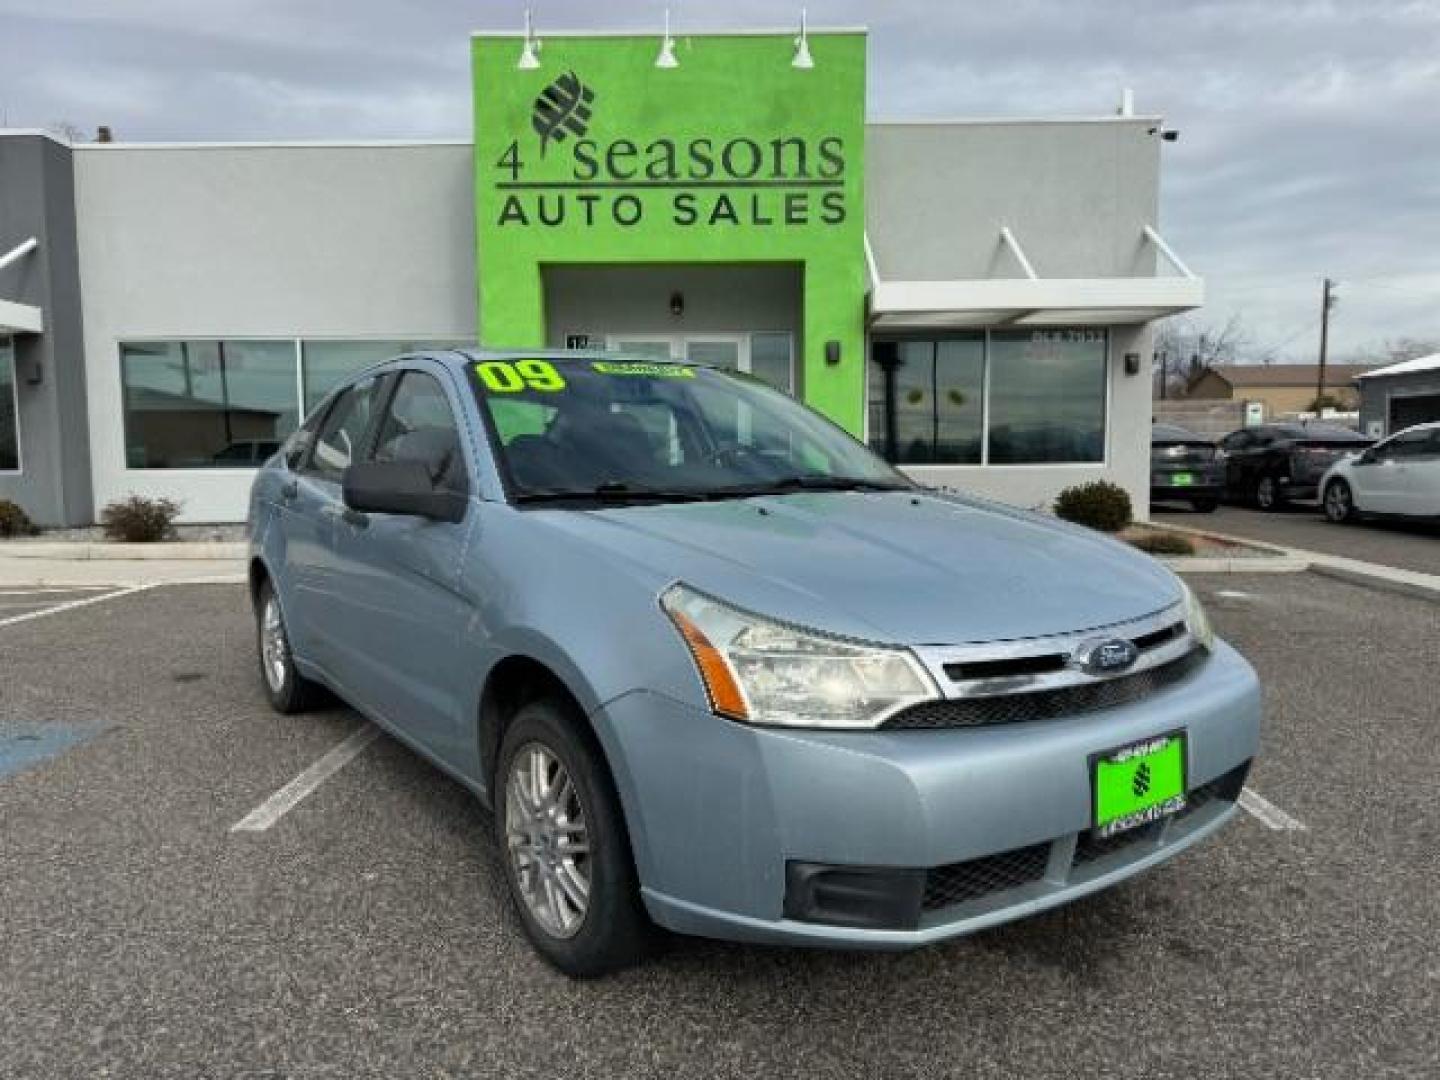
[1204, 506]
[608, 928]
[289, 691]
[1339, 502]
[1268, 494]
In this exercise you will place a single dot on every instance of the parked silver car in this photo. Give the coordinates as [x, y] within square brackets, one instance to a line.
[719, 668]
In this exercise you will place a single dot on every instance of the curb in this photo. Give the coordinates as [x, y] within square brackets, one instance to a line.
[1395, 586]
[186, 551]
[1275, 564]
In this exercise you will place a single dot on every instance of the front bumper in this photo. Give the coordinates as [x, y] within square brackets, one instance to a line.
[717, 811]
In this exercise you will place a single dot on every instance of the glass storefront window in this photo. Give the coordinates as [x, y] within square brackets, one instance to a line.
[326, 364]
[9, 410]
[931, 395]
[1047, 396]
[1045, 403]
[207, 404]
[770, 359]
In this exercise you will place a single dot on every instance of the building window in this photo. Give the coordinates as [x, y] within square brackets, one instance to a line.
[771, 359]
[1009, 397]
[9, 410]
[326, 364]
[1047, 396]
[207, 404]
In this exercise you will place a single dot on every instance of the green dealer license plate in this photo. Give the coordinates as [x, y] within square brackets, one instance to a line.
[1140, 783]
[1182, 479]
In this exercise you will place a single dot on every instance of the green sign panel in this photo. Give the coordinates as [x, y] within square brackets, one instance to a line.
[734, 157]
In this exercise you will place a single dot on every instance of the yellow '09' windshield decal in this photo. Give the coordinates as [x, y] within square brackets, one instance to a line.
[658, 371]
[513, 376]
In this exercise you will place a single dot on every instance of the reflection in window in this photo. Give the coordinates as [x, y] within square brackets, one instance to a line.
[207, 404]
[9, 410]
[927, 403]
[927, 400]
[1047, 396]
[329, 363]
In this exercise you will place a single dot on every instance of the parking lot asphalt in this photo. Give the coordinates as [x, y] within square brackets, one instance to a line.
[367, 932]
[1409, 545]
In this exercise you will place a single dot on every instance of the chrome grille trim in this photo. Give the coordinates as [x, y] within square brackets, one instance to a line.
[937, 658]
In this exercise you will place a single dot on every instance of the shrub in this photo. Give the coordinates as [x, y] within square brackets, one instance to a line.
[139, 520]
[14, 521]
[1100, 505]
[1163, 543]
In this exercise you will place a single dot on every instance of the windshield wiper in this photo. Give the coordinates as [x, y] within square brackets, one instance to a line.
[612, 491]
[812, 483]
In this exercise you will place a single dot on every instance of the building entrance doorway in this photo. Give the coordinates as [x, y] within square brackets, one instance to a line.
[720, 350]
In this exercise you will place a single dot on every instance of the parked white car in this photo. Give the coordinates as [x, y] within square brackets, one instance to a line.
[1398, 477]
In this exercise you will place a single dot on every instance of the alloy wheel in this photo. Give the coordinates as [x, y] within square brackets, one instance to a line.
[274, 649]
[1337, 502]
[1265, 493]
[548, 840]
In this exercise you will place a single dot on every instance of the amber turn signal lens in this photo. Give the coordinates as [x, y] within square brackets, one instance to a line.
[720, 686]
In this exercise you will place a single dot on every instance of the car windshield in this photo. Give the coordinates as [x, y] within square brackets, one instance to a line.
[625, 431]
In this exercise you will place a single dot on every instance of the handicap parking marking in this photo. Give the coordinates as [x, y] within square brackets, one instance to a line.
[292, 794]
[23, 745]
[1268, 814]
[43, 610]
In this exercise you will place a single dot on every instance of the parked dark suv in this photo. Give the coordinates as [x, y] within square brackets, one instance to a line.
[1271, 464]
[1183, 468]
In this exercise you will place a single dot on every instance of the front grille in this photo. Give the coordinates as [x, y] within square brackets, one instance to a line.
[1224, 788]
[1045, 704]
[946, 886]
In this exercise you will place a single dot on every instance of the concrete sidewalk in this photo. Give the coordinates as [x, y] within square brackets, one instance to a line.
[52, 573]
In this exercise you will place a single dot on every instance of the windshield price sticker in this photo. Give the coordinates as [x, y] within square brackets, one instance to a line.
[659, 371]
[505, 377]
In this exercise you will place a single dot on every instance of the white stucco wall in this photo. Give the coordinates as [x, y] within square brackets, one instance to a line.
[368, 241]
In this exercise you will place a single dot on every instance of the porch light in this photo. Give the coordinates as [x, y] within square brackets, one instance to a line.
[529, 61]
[803, 59]
[666, 59]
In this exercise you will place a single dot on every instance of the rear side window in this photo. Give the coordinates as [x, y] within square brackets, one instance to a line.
[339, 439]
[420, 426]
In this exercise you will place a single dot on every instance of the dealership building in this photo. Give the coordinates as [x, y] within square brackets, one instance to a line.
[973, 297]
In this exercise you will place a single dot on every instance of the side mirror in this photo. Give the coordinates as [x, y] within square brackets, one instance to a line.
[1365, 457]
[400, 487]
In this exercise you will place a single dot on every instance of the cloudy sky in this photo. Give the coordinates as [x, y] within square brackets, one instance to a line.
[1310, 130]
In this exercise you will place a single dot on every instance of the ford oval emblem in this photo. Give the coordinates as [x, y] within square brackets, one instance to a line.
[1106, 656]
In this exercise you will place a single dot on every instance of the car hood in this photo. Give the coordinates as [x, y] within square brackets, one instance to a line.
[907, 567]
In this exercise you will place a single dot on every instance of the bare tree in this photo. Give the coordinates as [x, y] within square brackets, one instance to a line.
[1407, 348]
[66, 130]
[1185, 346]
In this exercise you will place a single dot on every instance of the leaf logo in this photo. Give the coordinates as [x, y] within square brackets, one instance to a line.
[1141, 784]
[562, 109]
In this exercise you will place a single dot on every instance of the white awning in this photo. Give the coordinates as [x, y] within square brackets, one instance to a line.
[19, 318]
[1033, 300]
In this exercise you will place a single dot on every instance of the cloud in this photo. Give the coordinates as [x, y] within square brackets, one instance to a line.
[1309, 138]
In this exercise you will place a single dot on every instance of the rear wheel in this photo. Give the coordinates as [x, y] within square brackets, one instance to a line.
[1268, 494]
[288, 690]
[1339, 502]
[566, 851]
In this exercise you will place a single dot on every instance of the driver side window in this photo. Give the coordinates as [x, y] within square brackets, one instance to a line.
[420, 426]
[338, 442]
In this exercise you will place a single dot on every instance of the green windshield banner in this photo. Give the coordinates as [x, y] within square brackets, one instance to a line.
[734, 156]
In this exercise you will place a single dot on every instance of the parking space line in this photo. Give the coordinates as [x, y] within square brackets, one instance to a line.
[71, 605]
[1268, 814]
[288, 797]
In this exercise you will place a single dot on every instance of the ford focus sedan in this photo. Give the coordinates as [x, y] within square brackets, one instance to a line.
[719, 669]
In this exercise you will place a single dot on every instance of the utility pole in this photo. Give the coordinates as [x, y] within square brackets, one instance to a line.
[1327, 301]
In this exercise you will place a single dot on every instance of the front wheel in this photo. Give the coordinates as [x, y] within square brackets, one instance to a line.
[1268, 495]
[1339, 502]
[289, 691]
[564, 845]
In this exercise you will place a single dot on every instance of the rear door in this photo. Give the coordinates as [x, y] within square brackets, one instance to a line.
[402, 613]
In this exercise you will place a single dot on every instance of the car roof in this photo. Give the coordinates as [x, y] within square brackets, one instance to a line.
[1174, 433]
[456, 359]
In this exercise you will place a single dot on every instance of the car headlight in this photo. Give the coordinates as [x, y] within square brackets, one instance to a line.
[766, 672]
[1196, 621]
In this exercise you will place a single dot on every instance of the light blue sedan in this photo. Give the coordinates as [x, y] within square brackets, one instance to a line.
[717, 667]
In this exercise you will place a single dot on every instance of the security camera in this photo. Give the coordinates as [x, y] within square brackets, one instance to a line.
[1168, 134]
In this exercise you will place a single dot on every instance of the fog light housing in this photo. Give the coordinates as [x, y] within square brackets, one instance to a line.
[865, 897]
